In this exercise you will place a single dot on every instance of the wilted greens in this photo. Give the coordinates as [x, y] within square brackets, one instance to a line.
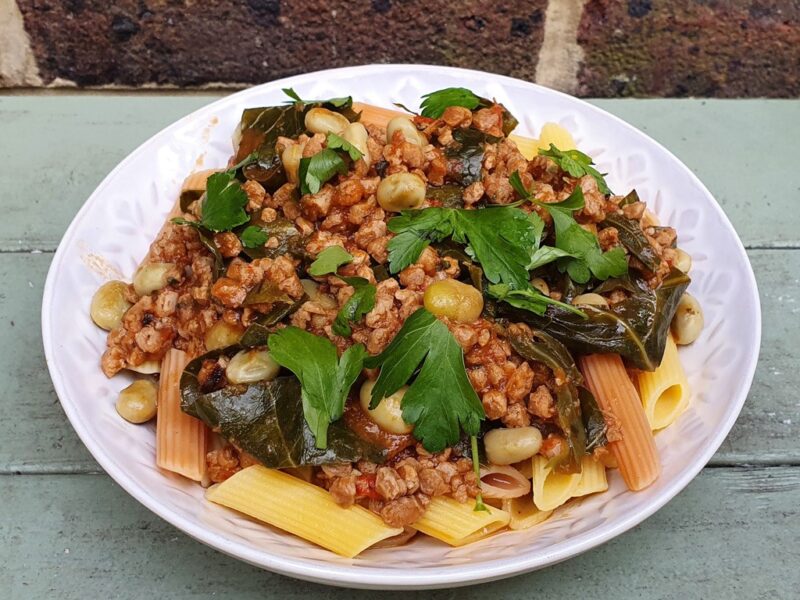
[635, 328]
[265, 419]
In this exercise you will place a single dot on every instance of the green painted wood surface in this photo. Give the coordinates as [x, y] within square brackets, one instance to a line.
[728, 535]
[68, 531]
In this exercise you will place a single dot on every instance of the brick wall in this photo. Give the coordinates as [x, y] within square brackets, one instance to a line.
[729, 48]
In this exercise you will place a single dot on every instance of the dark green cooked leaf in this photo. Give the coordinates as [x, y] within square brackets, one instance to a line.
[536, 345]
[265, 419]
[593, 421]
[633, 238]
[635, 328]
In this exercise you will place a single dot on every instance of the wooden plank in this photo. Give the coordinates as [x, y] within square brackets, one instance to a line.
[730, 145]
[70, 142]
[731, 533]
[38, 438]
[35, 432]
[63, 146]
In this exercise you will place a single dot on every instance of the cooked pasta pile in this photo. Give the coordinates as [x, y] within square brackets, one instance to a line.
[372, 324]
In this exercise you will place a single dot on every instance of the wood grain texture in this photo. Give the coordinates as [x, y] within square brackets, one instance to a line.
[37, 437]
[71, 142]
[731, 533]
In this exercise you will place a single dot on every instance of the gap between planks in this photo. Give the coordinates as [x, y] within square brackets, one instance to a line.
[743, 463]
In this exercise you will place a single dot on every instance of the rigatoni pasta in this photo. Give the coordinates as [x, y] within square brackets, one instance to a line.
[181, 440]
[593, 478]
[523, 513]
[301, 508]
[635, 451]
[458, 523]
[551, 489]
[665, 391]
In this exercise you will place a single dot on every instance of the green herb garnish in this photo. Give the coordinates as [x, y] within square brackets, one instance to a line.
[476, 467]
[316, 170]
[440, 402]
[325, 379]
[254, 237]
[329, 260]
[577, 164]
[363, 299]
[357, 306]
[577, 250]
[500, 238]
[335, 102]
[336, 142]
[223, 207]
[434, 104]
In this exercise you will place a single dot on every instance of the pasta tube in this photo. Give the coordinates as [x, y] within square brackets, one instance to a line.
[301, 508]
[181, 440]
[551, 489]
[196, 182]
[593, 477]
[635, 451]
[379, 116]
[523, 512]
[458, 524]
[665, 391]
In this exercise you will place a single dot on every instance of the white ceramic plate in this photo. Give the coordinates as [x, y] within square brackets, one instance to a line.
[113, 230]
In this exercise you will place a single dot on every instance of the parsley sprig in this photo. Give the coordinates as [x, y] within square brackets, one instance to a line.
[504, 240]
[434, 104]
[324, 165]
[223, 207]
[325, 379]
[254, 237]
[499, 238]
[337, 142]
[335, 102]
[440, 401]
[579, 250]
[316, 170]
[577, 164]
[363, 299]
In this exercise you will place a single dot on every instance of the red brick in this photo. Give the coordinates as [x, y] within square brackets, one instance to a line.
[188, 43]
[690, 48]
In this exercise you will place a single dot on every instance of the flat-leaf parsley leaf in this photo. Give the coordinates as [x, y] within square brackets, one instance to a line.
[577, 164]
[357, 306]
[434, 104]
[363, 299]
[254, 237]
[325, 379]
[329, 260]
[500, 238]
[440, 402]
[335, 102]
[337, 142]
[316, 170]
